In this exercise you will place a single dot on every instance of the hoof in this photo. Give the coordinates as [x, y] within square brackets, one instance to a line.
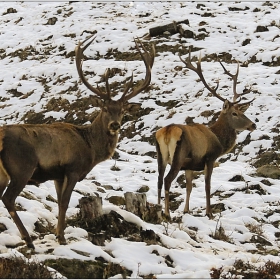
[30, 245]
[166, 217]
[210, 216]
[61, 240]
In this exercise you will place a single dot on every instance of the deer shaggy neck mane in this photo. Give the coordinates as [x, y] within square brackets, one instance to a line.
[196, 146]
[64, 152]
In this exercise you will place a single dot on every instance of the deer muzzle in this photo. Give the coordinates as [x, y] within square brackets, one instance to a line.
[252, 127]
[114, 127]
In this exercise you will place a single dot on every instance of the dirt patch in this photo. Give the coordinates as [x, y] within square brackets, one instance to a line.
[79, 269]
[19, 268]
[269, 171]
[113, 225]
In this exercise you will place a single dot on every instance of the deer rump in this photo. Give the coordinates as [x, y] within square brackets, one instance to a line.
[198, 142]
[35, 154]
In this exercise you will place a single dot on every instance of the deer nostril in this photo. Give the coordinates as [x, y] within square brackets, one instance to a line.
[115, 126]
[252, 127]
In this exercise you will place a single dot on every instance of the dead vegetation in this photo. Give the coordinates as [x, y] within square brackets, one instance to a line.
[19, 268]
[246, 270]
[113, 225]
[78, 269]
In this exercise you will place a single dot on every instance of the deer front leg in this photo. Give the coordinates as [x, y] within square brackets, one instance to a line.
[64, 190]
[160, 182]
[208, 173]
[161, 168]
[9, 197]
[189, 178]
[174, 170]
[176, 165]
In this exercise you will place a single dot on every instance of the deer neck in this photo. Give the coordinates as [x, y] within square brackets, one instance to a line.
[225, 133]
[99, 138]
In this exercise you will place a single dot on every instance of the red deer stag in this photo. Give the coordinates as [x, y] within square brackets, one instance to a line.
[64, 152]
[196, 147]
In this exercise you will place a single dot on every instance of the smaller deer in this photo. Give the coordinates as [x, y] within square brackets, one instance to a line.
[196, 147]
[64, 152]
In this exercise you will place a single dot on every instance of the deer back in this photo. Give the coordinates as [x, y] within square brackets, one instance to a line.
[195, 142]
[50, 148]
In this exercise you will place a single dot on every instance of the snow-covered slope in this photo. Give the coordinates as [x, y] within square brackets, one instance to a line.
[37, 70]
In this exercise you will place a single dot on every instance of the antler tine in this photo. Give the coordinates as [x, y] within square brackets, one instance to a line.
[248, 102]
[148, 58]
[129, 85]
[106, 75]
[86, 46]
[198, 71]
[79, 50]
[234, 78]
[188, 62]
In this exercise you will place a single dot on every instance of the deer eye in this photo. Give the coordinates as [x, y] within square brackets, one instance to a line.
[234, 114]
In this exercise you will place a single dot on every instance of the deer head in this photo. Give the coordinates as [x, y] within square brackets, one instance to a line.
[113, 110]
[232, 111]
[64, 152]
[196, 147]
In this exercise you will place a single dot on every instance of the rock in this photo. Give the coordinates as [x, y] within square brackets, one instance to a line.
[107, 226]
[136, 203]
[10, 11]
[52, 21]
[154, 214]
[267, 158]
[90, 207]
[117, 200]
[168, 29]
[237, 178]
[185, 31]
[261, 28]
[80, 269]
[143, 189]
[2, 227]
[269, 171]
[261, 240]
[246, 42]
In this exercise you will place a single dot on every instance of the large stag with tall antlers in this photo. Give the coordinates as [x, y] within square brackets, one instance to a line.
[64, 152]
[196, 147]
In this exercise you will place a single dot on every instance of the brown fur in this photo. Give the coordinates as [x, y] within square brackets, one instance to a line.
[64, 152]
[196, 147]
[61, 152]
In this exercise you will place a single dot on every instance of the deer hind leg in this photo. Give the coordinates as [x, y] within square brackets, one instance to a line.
[4, 179]
[162, 158]
[189, 178]
[176, 165]
[9, 197]
[64, 190]
[208, 173]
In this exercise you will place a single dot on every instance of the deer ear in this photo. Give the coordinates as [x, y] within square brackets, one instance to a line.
[226, 106]
[131, 108]
[243, 107]
[96, 101]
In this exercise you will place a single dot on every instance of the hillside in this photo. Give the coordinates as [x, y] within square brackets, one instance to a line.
[39, 84]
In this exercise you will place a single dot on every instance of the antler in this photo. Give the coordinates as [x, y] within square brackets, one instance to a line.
[198, 71]
[148, 59]
[79, 50]
[234, 78]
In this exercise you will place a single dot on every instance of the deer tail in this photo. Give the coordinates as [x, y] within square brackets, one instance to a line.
[167, 138]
